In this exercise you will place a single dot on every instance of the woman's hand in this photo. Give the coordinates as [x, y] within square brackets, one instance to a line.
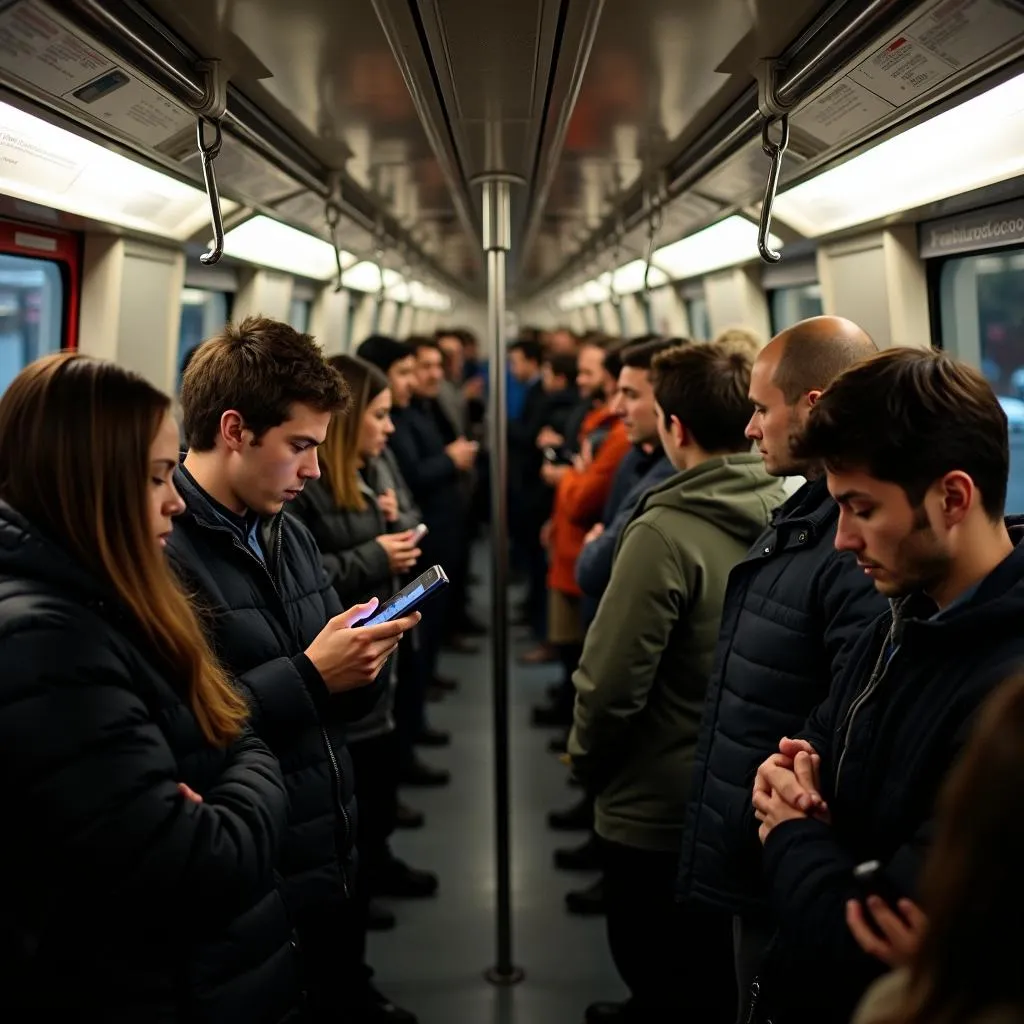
[388, 504]
[401, 550]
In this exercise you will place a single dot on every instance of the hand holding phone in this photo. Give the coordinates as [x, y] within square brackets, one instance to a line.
[886, 926]
[348, 658]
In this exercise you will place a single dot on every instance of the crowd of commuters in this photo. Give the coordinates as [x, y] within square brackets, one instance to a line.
[776, 584]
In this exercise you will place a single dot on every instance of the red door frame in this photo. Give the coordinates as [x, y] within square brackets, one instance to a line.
[62, 247]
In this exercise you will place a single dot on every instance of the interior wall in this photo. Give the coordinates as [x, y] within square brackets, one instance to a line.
[735, 298]
[131, 305]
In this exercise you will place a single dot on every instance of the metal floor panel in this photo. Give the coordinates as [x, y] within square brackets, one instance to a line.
[433, 962]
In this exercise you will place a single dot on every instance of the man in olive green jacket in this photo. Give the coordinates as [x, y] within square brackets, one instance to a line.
[641, 681]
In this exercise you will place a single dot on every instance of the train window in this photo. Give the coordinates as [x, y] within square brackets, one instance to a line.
[790, 305]
[31, 312]
[203, 314]
[299, 313]
[981, 302]
[700, 321]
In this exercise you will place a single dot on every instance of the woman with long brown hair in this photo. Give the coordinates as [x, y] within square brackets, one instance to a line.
[142, 819]
[968, 967]
[365, 538]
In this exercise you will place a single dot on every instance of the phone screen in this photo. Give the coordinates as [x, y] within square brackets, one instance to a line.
[410, 597]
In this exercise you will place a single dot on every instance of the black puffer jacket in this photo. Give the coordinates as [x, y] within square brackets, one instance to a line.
[793, 609]
[262, 619]
[887, 736]
[124, 902]
[358, 568]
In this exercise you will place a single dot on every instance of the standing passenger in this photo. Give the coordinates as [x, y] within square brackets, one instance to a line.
[793, 608]
[916, 451]
[142, 818]
[642, 677]
[257, 400]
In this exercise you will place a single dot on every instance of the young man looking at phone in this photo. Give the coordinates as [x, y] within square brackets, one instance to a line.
[257, 400]
[916, 452]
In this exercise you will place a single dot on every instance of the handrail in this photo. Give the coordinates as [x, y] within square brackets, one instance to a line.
[209, 153]
[134, 34]
[776, 151]
[842, 32]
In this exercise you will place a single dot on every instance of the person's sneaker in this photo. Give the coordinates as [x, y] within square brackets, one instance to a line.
[587, 902]
[396, 879]
[428, 737]
[578, 818]
[608, 1013]
[586, 857]
[379, 919]
[375, 1008]
[417, 773]
[409, 817]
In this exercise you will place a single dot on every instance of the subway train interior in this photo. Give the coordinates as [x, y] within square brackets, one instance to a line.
[397, 168]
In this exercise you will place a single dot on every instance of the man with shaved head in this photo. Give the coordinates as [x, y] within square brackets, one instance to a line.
[793, 609]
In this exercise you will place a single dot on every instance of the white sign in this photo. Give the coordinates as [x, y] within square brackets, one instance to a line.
[43, 51]
[842, 111]
[36, 48]
[963, 31]
[901, 70]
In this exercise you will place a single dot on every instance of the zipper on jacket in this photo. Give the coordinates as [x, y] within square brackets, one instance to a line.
[876, 680]
[336, 773]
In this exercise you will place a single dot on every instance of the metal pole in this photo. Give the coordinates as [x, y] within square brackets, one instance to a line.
[497, 240]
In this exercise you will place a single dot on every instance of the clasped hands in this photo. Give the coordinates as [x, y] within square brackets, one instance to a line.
[788, 786]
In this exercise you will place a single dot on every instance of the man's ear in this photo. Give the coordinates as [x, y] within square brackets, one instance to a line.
[233, 430]
[957, 491]
[812, 396]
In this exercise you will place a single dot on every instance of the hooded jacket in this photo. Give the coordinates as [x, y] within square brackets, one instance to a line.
[123, 900]
[888, 733]
[647, 657]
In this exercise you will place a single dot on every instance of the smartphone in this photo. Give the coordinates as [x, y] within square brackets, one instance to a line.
[872, 881]
[409, 598]
[419, 532]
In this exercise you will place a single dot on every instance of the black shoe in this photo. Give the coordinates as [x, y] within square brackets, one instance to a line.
[559, 744]
[608, 1013]
[396, 879]
[459, 644]
[407, 817]
[428, 737]
[578, 818]
[549, 716]
[376, 1008]
[379, 919]
[416, 773]
[586, 857]
[587, 902]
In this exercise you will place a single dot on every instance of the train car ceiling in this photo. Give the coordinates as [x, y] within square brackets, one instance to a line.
[634, 127]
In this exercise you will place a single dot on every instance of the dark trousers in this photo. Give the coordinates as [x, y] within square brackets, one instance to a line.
[332, 940]
[751, 939]
[376, 769]
[410, 696]
[674, 958]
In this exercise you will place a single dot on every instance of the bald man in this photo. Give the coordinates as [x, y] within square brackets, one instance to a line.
[793, 608]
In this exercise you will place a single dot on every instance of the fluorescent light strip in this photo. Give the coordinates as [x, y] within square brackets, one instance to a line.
[53, 167]
[269, 243]
[972, 145]
[730, 241]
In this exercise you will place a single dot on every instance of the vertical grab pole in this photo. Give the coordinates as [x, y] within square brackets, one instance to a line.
[497, 240]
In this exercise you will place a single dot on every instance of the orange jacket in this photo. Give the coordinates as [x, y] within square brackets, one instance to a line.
[580, 498]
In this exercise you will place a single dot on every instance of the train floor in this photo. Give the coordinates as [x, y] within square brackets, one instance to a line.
[433, 963]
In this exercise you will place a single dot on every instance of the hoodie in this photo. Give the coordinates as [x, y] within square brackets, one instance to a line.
[648, 654]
